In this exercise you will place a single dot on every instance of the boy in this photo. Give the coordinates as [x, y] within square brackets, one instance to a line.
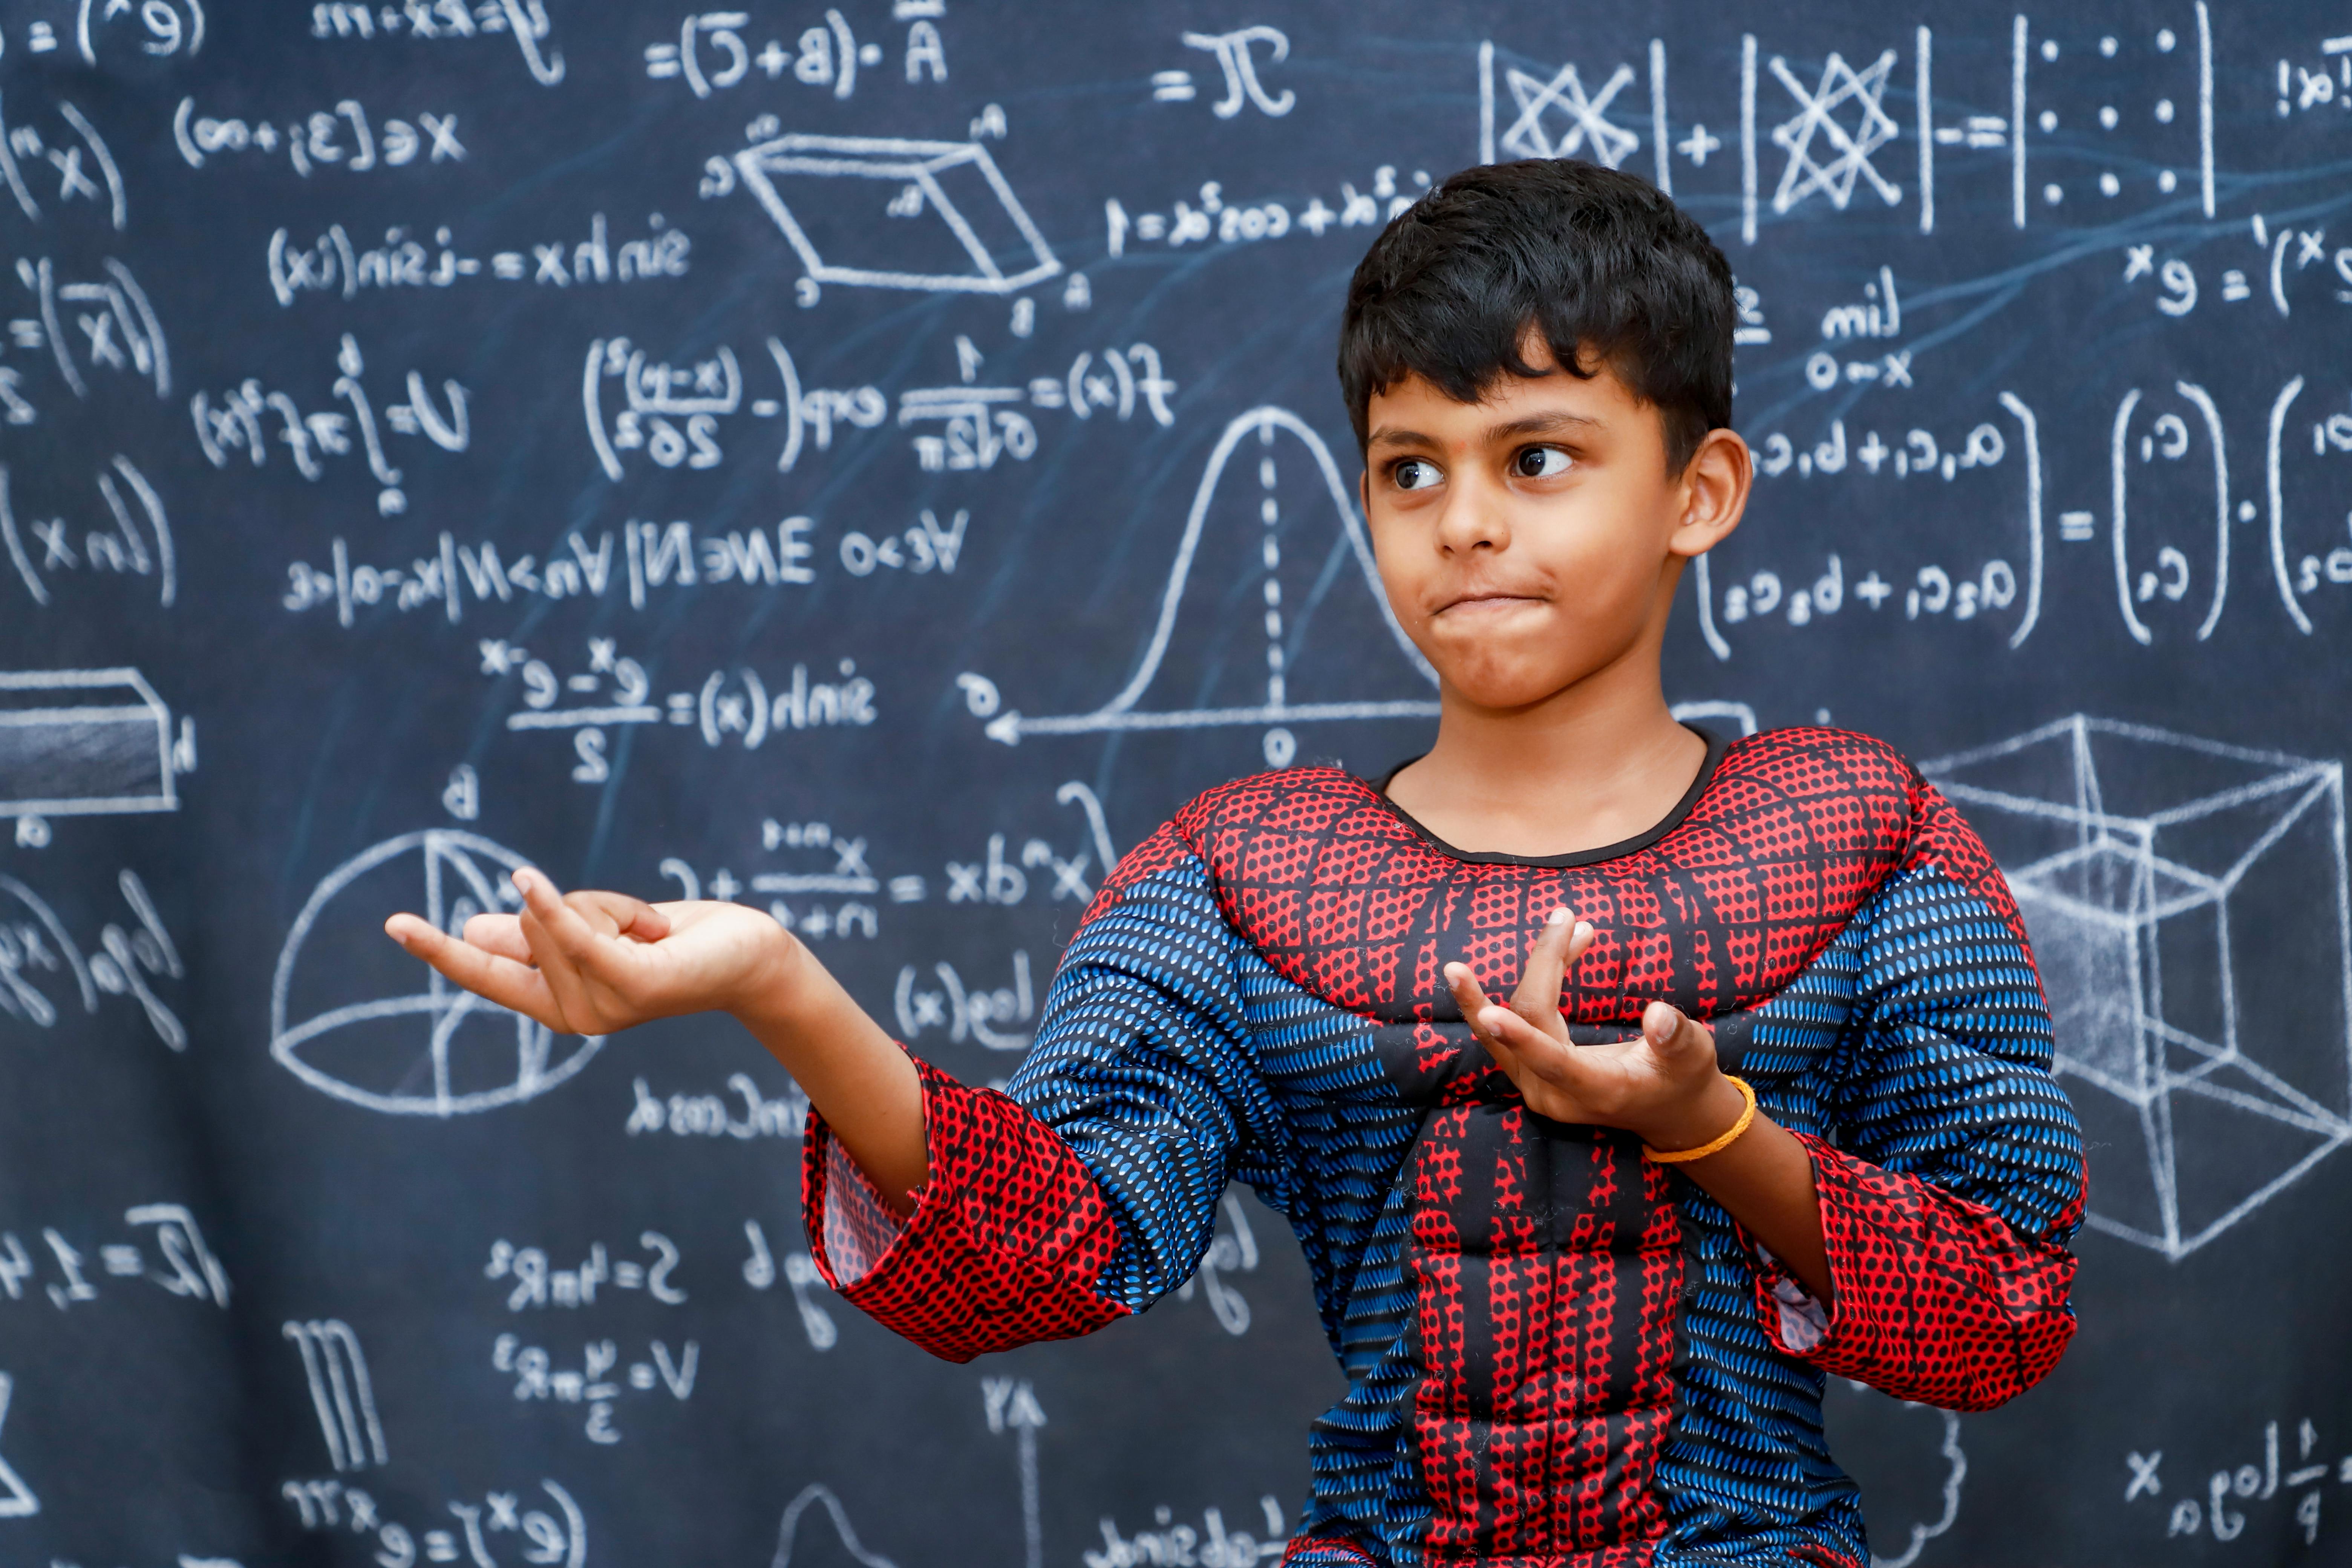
[1778, 1105]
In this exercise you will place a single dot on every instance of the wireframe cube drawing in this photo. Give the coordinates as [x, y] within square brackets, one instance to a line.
[866, 201]
[2187, 902]
[83, 741]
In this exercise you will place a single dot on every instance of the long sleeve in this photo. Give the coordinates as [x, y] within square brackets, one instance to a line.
[1006, 1243]
[1954, 1175]
[1090, 1188]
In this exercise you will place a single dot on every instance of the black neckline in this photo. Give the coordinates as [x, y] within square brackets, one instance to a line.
[1715, 746]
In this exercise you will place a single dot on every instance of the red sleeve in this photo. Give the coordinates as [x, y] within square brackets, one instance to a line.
[1009, 1236]
[1937, 1298]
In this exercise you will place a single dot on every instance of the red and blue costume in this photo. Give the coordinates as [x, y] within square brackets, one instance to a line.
[1557, 1353]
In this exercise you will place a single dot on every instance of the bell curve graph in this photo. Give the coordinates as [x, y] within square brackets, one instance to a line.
[1280, 564]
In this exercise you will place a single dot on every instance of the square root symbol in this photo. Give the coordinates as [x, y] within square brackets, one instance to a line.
[2187, 903]
[880, 211]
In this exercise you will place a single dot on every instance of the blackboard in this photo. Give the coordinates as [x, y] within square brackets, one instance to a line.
[817, 456]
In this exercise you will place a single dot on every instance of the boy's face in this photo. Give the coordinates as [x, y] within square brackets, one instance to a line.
[1534, 538]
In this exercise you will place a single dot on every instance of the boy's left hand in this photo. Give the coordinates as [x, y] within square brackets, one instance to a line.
[1664, 1085]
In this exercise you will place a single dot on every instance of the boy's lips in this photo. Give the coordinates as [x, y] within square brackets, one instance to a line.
[1478, 604]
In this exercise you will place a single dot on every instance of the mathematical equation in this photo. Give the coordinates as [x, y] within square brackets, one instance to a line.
[39, 956]
[2147, 134]
[182, 1265]
[743, 1112]
[162, 29]
[536, 1283]
[249, 419]
[711, 53]
[484, 1532]
[439, 21]
[2176, 512]
[1226, 221]
[341, 138]
[673, 413]
[2288, 1473]
[138, 545]
[333, 263]
[616, 690]
[24, 151]
[114, 335]
[600, 1382]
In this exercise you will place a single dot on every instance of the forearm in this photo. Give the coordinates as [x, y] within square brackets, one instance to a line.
[854, 1074]
[1763, 1178]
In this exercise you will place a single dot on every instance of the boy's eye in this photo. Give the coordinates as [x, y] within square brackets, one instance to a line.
[1540, 463]
[1413, 474]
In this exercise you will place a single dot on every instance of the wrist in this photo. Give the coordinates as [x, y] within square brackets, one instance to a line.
[1711, 1107]
[774, 987]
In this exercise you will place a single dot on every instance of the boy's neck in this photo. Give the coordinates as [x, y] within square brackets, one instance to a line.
[1593, 765]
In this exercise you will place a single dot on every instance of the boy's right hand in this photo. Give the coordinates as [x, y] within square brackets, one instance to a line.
[593, 962]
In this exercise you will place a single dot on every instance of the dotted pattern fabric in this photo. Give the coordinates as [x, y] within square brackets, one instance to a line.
[1008, 1235]
[1936, 1299]
[1557, 1353]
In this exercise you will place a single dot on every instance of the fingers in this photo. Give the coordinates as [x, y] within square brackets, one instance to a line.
[1468, 994]
[499, 979]
[1514, 1042]
[566, 929]
[612, 914]
[646, 922]
[499, 933]
[1539, 987]
[618, 914]
[1520, 1047]
[585, 970]
[1561, 942]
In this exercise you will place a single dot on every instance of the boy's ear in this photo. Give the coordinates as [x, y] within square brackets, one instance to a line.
[1713, 491]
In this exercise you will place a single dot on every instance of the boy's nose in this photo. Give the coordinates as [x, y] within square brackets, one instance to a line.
[1471, 519]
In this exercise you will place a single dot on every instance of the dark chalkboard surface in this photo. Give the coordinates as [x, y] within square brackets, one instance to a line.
[873, 462]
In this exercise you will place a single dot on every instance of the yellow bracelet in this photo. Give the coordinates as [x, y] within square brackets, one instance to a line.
[1678, 1156]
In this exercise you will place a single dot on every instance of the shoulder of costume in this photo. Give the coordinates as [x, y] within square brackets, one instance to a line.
[1217, 826]
[1857, 787]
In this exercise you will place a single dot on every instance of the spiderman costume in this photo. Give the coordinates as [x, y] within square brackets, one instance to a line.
[1558, 1353]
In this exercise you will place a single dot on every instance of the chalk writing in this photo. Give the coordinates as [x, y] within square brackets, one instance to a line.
[249, 419]
[2288, 1470]
[537, 1284]
[335, 263]
[43, 970]
[342, 138]
[555, 1534]
[1168, 1544]
[525, 21]
[182, 1266]
[600, 1382]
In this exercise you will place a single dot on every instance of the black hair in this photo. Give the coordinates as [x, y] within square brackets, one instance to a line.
[1600, 261]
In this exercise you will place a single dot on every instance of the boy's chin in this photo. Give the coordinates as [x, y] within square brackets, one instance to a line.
[1503, 691]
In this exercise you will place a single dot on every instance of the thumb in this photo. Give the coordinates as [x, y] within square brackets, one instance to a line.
[629, 917]
[1677, 1041]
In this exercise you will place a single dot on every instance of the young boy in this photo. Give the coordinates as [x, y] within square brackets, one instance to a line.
[1774, 1103]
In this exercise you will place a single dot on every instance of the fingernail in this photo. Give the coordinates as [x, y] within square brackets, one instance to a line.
[1556, 917]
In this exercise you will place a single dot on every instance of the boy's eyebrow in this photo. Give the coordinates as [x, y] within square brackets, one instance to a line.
[1551, 422]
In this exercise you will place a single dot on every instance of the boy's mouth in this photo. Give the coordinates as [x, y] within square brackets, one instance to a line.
[1487, 603]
